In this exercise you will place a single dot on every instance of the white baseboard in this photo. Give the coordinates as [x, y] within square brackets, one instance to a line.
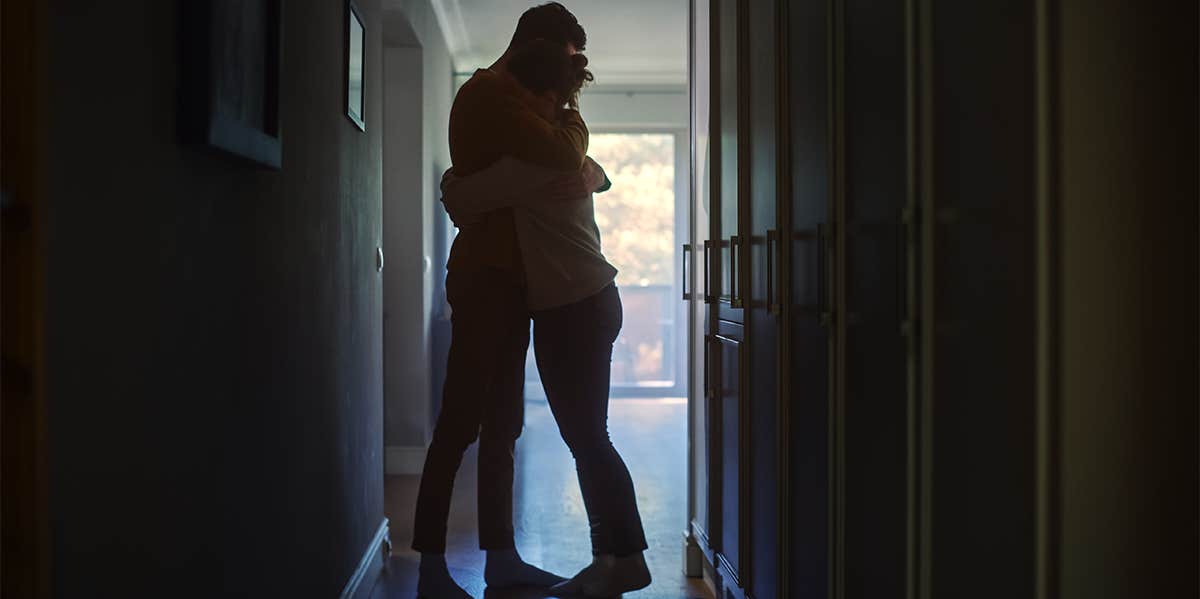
[362, 581]
[402, 459]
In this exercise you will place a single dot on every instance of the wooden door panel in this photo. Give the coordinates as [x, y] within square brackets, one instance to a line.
[729, 131]
[730, 454]
[979, 217]
[696, 273]
[761, 298]
[873, 377]
[807, 358]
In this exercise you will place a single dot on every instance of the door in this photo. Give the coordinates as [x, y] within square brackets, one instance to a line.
[978, 230]
[730, 182]
[871, 144]
[760, 299]
[725, 260]
[808, 264]
[728, 498]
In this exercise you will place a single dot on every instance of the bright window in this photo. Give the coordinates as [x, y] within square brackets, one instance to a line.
[637, 226]
[636, 218]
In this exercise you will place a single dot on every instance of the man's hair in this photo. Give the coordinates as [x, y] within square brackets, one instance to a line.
[551, 21]
[542, 65]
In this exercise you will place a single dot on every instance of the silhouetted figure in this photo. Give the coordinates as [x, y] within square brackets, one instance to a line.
[576, 312]
[483, 396]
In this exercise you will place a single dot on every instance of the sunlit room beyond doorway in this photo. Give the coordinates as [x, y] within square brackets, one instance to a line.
[639, 224]
[637, 116]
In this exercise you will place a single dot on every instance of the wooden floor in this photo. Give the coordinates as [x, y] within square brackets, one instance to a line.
[551, 526]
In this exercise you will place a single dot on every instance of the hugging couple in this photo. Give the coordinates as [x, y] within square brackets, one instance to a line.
[528, 247]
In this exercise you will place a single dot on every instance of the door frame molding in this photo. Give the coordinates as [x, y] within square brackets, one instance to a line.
[1048, 406]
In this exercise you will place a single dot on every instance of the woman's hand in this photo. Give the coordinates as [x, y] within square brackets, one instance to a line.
[593, 176]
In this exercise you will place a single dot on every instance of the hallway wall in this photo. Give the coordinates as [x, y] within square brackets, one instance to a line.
[1126, 501]
[614, 107]
[214, 336]
[418, 88]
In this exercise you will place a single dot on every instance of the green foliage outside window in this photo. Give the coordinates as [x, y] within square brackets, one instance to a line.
[637, 216]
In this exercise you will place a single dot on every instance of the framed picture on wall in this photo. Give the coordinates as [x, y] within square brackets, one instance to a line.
[356, 40]
[229, 78]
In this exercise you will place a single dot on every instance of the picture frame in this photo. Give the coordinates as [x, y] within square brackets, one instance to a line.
[229, 78]
[356, 42]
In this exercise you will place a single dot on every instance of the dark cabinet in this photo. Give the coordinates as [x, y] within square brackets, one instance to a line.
[810, 243]
[978, 219]
[761, 303]
[884, 380]
[871, 401]
[728, 114]
[725, 251]
[730, 452]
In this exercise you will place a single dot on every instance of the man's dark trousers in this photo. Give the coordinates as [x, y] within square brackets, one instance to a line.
[483, 399]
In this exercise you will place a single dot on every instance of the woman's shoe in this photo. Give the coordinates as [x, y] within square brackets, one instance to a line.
[608, 576]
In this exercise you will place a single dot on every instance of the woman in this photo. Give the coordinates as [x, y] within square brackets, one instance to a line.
[576, 312]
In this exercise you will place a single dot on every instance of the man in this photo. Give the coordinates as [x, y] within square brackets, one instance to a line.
[483, 398]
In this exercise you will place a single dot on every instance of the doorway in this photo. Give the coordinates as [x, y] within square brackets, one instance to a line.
[640, 219]
[637, 114]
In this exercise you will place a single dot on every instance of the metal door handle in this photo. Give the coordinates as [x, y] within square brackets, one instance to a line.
[735, 296]
[773, 303]
[902, 271]
[687, 249]
[823, 314]
[708, 298]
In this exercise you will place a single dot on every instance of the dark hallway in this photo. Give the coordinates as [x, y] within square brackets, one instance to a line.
[910, 295]
[550, 522]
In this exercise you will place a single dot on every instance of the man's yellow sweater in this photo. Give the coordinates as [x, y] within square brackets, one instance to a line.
[493, 117]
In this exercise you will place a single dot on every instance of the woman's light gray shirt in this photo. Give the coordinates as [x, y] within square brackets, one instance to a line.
[558, 237]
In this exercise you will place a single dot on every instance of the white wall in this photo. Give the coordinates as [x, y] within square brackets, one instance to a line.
[628, 106]
[405, 281]
[634, 108]
[417, 98]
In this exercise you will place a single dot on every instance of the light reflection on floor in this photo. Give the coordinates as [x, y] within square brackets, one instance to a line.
[551, 525]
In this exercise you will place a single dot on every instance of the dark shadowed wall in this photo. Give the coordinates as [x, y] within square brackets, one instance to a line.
[214, 337]
[1126, 500]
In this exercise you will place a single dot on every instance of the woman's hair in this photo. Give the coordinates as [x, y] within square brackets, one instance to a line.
[542, 65]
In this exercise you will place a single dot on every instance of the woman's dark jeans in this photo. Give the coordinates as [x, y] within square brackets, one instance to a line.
[573, 345]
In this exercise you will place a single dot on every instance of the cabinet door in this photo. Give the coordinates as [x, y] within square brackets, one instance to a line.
[761, 298]
[872, 351]
[729, 181]
[979, 226]
[728, 477]
[807, 487]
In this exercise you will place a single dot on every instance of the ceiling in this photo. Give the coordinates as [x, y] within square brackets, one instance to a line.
[630, 42]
